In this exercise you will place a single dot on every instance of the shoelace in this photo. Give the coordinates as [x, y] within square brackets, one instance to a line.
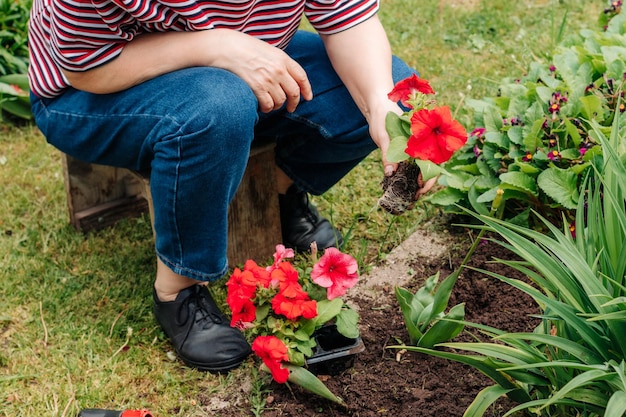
[198, 301]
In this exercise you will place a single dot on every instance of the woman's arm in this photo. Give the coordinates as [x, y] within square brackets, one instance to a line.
[361, 56]
[274, 77]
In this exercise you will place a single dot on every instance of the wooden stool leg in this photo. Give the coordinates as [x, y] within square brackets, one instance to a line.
[254, 215]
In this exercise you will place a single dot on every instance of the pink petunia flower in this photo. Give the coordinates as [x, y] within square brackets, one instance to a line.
[335, 271]
[280, 255]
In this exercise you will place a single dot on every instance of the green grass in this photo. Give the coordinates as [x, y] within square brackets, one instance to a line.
[76, 328]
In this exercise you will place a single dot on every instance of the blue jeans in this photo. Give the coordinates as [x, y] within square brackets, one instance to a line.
[192, 130]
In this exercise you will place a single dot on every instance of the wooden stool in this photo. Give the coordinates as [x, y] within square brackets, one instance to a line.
[99, 196]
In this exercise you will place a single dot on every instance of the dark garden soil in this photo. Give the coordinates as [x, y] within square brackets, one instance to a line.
[383, 382]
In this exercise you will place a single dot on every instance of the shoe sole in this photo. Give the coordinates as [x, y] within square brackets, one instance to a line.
[224, 368]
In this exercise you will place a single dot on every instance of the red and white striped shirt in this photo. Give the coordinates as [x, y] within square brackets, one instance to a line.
[78, 35]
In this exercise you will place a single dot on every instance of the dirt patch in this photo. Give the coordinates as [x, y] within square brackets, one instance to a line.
[386, 383]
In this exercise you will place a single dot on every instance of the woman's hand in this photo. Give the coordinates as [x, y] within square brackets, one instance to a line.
[273, 76]
[378, 131]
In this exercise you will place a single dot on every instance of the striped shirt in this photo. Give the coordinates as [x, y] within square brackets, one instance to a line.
[78, 35]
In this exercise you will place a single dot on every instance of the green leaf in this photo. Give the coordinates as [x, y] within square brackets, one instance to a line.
[492, 117]
[442, 294]
[297, 357]
[615, 315]
[327, 310]
[561, 185]
[304, 378]
[261, 312]
[395, 125]
[616, 407]
[515, 135]
[444, 330]
[405, 299]
[508, 354]
[21, 80]
[428, 169]
[519, 181]
[397, 149]
[544, 93]
[577, 382]
[532, 134]
[485, 399]
[347, 323]
[17, 108]
[525, 167]
[498, 139]
[475, 201]
[572, 131]
[424, 295]
[592, 107]
[583, 354]
[302, 335]
[446, 197]
[408, 303]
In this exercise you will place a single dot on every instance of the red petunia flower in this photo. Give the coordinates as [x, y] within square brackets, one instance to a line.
[294, 308]
[257, 274]
[435, 135]
[404, 89]
[336, 271]
[293, 289]
[243, 315]
[273, 352]
[283, 274]
[240, 289]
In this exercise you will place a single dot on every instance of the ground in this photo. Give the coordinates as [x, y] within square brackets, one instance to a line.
[383, 382]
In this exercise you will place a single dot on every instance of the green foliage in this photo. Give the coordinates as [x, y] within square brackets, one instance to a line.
[574, 363]
[424, 312]
[424, 316]
[14, 100]
[14, 96]
[14, 16]
[534, 139]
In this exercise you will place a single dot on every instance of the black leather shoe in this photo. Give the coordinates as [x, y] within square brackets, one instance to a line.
[200, 332]
[302, 224]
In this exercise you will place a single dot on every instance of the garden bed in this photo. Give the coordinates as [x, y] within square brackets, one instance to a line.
[386, 382]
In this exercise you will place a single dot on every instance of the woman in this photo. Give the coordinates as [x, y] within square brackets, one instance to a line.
[180, 89]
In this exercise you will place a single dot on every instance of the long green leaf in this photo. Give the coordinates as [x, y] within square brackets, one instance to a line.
[481, 363]
[567, 314]
[404, 298]
[616, 406]
[577, 382]
[580, 352]
[444, 329]
[301, 376]
[485, 399]
[494, 350]
[442, 295]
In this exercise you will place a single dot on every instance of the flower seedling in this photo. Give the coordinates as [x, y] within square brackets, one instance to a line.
[422, 137]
